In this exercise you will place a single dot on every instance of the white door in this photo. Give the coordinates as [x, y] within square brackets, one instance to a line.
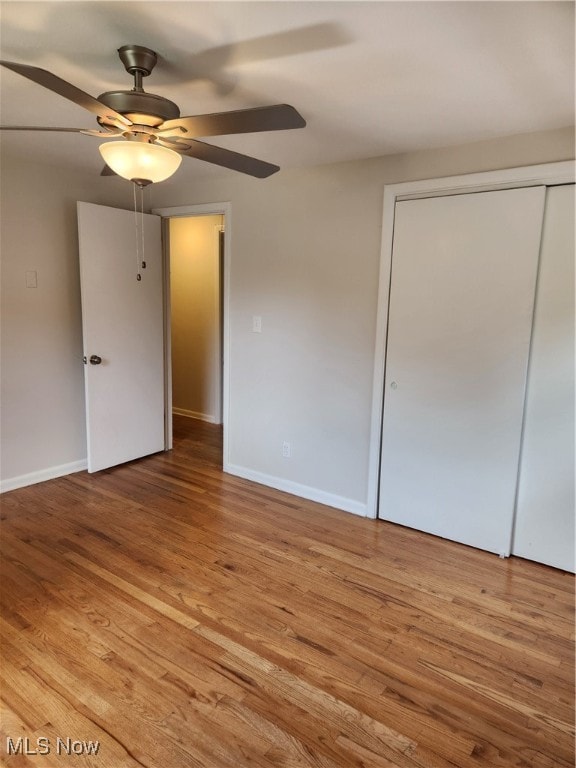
[461, 301]
[544, 528]
[122, 319]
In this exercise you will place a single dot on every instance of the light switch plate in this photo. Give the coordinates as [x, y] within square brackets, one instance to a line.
[31, 278]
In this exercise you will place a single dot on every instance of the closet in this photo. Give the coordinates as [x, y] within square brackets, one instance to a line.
[478, 417]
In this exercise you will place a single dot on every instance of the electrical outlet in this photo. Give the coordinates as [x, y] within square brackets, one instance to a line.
[286, 450]
[256, 324]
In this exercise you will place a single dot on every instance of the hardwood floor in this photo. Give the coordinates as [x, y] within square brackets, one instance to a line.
[181, 617]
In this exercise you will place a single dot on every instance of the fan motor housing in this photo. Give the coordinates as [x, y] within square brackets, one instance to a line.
[140, 107]
[138, 58]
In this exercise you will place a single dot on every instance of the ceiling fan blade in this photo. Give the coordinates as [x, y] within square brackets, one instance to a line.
[107, 171]
[54, 83]
[223, 157]
[278, 117]
[86, 131]
[39, 128]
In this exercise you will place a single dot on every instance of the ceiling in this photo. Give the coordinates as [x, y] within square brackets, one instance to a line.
[370, 78]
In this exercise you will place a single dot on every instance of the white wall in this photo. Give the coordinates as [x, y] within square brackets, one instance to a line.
[195, 312]
[305, 256]
[42, 377]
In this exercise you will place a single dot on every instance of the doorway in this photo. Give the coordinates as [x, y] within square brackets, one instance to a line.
[196, 255]
[220, 236]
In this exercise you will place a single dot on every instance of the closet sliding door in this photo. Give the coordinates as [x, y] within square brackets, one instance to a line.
[544, 528]
[462, 293]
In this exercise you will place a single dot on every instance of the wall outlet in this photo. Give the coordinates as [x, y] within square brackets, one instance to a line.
[286, 450]
[256, 324]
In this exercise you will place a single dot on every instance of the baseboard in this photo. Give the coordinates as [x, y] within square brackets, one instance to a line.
[280, 484]
[41, 475]
[194, 415]
[296, 489]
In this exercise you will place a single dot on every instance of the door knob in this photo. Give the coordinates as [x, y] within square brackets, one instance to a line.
[95, 360]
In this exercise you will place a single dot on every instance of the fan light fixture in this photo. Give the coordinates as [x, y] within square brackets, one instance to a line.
[142, 117]
[140, 162]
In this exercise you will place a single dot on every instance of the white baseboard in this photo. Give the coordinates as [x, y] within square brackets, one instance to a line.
[296, 489]
[41, 475]
[194, 415]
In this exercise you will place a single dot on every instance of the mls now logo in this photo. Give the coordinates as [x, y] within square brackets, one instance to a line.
[43, 746]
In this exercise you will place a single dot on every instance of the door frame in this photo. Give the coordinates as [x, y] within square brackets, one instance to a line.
[549, 174]
[187, 211]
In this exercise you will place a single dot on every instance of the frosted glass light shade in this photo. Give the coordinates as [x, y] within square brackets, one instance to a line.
[137, 160]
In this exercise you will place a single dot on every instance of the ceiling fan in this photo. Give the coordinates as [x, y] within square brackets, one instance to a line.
[149, 136]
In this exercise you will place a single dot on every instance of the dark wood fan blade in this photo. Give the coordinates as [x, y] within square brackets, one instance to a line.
[54, 83]
[39, 128]
[278, 117]
[107, 171]
[104, 134]
[223, 157]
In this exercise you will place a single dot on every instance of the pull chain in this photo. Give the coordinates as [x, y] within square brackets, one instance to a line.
[140, 263]
[142, 254]
[138, 275]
